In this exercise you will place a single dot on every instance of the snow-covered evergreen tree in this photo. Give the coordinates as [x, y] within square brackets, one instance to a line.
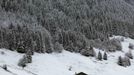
[131, 46]
[58, 47]
[88, 52]
[120, 61]
[99, 57]
[23, 62]
[105, 56]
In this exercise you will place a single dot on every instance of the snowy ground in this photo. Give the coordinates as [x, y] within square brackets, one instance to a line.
[66, 63]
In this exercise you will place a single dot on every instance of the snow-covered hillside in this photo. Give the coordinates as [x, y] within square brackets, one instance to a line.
[66, 63]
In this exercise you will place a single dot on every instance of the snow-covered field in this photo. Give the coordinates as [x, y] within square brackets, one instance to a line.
[66, 63]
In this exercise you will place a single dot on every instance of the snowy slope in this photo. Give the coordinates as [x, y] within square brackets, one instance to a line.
[66, 63]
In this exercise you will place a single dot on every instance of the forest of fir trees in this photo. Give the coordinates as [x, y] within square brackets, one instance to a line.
[47, 26]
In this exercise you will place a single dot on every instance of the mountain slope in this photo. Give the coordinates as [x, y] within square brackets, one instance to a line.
[67, 63]
[71, 23]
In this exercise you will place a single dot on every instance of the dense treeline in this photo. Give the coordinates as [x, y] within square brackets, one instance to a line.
[51, 25]
[22, 39]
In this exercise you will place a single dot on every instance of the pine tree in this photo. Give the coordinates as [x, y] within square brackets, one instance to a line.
[29, 58]
[116, 43]
[88, 52]
[23, 62]
[131, 46]
[126, 61]
[105, 56]
[99, 56]
[129, 62]
[58, 47]
[120, 61]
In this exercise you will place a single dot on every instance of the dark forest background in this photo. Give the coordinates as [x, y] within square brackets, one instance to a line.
[53, 25]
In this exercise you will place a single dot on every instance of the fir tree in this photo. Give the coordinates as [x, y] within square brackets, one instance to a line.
[126, 61]
[58, 47]
[23, 61]
[105, 56]
[88, 52]
[99, 56]
[131, 46]
[120, 61]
